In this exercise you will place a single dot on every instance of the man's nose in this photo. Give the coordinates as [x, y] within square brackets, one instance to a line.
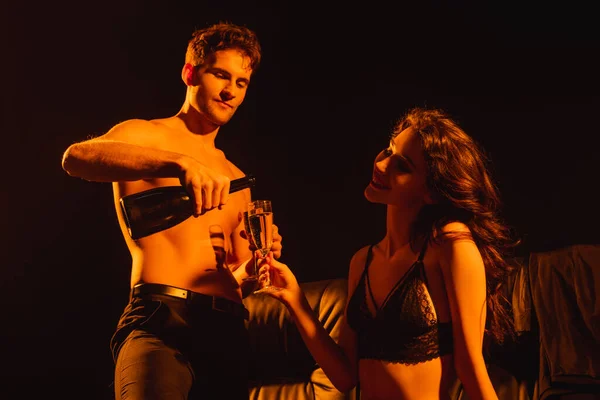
[228, 92]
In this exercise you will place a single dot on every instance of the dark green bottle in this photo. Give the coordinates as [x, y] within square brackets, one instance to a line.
[163, 207]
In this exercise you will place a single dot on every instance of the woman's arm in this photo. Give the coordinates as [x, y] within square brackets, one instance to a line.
[330, 356]
[465, 281]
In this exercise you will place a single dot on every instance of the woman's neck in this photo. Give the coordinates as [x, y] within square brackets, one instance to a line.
[398, 229]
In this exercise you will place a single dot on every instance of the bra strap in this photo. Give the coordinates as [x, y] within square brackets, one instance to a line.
[366, 275]
[422, 253]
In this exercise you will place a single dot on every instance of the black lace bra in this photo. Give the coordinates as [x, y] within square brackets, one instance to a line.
[404, 329]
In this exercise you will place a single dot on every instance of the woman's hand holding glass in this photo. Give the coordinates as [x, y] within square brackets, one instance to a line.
[263, 237]
[251, 268]
[284, 285]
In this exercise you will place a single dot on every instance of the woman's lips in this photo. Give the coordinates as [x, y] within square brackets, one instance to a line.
[377, 183]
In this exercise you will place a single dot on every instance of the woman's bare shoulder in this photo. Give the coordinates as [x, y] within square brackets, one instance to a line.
[357, 265]
[451, 232]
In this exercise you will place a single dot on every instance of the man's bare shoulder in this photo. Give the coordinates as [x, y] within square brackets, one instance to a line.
[139, 131]
[136, 123]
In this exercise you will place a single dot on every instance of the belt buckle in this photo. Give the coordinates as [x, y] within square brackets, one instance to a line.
[176, 292]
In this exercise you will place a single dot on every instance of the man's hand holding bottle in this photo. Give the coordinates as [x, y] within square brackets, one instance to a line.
[208, 188]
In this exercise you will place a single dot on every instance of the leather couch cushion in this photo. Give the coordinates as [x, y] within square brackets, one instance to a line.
[281, 366]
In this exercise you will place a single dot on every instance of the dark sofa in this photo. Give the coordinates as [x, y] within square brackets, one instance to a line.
[281, 365]
[564, 286]
[558, 290]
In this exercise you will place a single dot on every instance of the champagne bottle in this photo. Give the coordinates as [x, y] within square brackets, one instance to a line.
[155, 210]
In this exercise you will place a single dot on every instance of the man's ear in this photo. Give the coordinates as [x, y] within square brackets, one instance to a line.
[187, 74]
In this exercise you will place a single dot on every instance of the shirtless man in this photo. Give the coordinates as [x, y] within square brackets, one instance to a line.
[182, 335]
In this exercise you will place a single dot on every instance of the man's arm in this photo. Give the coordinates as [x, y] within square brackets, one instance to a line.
[105, 160]
[131, 151]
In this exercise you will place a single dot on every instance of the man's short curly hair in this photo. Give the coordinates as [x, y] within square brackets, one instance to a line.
[221, 36]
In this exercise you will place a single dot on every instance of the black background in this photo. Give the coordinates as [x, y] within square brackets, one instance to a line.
[521, 79]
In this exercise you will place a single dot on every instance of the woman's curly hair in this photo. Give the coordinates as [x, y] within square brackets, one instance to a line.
[463, 190]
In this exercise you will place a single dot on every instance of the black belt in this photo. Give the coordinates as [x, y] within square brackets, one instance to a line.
[194, 298]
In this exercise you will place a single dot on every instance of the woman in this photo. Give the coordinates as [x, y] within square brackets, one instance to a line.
[423, 297]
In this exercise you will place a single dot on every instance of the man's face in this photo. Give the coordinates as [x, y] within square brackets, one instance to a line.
[221, 86]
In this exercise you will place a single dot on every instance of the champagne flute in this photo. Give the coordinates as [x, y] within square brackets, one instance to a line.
[258, 220]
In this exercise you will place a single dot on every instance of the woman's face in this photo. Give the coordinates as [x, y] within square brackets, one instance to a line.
[399, 173]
